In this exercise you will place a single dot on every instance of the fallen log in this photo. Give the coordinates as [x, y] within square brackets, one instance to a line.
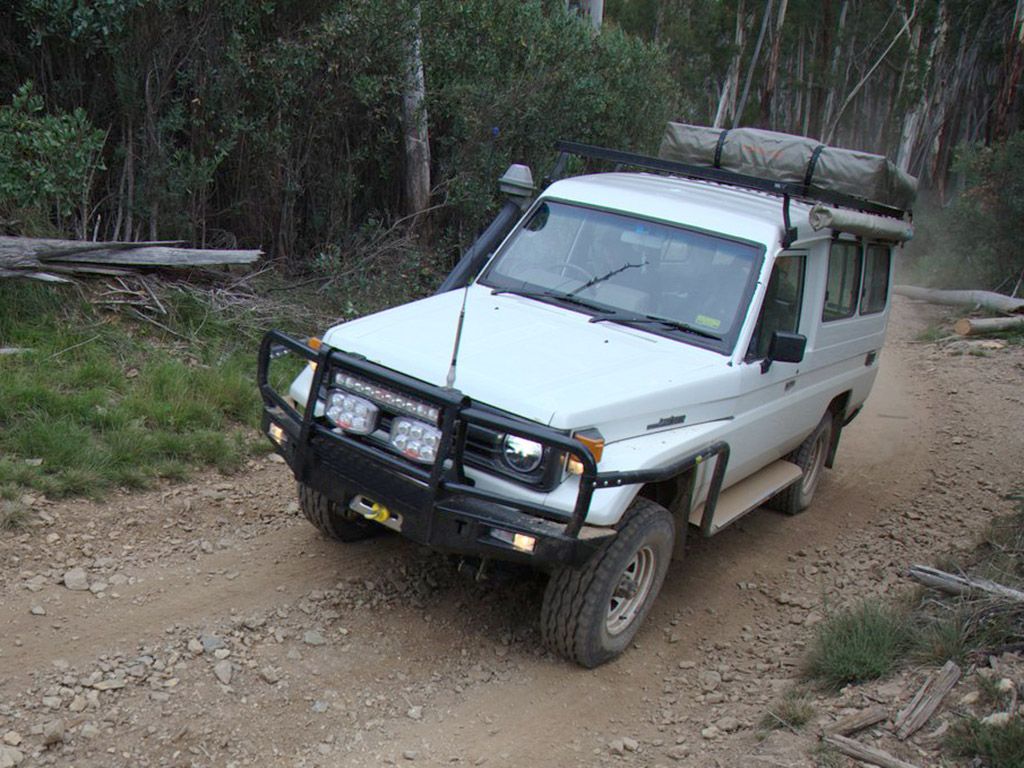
[44, 259]
[987, 299]
[858, 721]
[978, 326]
[927, 699]
[866, 754]
[961, 585]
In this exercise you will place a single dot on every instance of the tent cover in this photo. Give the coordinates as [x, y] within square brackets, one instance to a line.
[791, 159]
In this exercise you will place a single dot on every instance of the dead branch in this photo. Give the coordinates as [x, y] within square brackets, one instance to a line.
[927, 699]
[865, 754]
[961, 585]
[858, 721]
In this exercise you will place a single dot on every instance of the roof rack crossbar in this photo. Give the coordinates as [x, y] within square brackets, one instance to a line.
[731, 178]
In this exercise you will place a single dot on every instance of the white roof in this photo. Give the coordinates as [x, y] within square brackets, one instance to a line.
[741, 213]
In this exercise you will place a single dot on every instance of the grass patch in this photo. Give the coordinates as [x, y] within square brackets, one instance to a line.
[13, 516]
[793, 711]
[998, 746]
[858, 644]
[100, 403]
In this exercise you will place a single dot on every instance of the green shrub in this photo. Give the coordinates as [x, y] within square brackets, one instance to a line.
[858, 644]
[998, 746]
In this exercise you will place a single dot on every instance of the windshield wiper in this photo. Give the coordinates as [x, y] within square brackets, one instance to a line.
[568, 298]
[676, 325]
[612, 273]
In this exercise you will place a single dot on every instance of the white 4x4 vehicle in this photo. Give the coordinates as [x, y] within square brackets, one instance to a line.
[634, 355]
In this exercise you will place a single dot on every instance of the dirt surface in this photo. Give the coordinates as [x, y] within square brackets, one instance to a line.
[214, 627]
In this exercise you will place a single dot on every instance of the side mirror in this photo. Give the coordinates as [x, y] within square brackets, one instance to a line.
[785, 347]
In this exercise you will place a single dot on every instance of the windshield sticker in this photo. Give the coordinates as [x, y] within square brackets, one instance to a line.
[709, 322]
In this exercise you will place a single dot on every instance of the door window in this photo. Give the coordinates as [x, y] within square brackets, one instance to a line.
[781, 308]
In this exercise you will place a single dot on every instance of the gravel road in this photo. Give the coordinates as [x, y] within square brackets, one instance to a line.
[207, 624]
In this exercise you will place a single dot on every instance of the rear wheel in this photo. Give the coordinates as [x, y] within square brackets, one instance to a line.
[335, 521]
[591, 614]
[810, 457]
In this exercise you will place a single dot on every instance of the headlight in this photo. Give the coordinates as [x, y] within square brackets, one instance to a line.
[521, 454]
[351, 413]
[415, 440]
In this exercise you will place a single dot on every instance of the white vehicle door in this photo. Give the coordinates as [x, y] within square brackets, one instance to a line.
[772, 416]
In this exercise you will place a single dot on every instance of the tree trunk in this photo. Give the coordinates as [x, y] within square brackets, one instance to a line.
[981, 326]
[753, 64]
[987, 299]
[1013, 67]
[727, 98]
[414, 125]
[768, 94]
[961, 585]
[833, 85]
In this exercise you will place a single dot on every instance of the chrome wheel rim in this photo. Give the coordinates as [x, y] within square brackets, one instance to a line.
[631, 591]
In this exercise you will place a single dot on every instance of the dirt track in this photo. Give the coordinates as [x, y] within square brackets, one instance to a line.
[376, 653]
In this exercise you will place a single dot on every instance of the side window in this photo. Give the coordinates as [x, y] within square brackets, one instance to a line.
[843, 287]
[876, 279]
[782, 299]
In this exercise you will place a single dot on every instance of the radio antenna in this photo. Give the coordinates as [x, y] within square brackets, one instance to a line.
[450, 384]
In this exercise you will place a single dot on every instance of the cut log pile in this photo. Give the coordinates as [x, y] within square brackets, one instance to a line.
[56, 260]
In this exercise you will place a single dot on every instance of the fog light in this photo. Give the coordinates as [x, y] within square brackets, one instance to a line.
[351, 413]
[415, 440]
[520, 541]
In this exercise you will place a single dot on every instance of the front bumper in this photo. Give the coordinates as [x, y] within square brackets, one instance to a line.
[438, 505]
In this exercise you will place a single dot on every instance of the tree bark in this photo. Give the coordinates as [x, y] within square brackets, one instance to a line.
[414, 124]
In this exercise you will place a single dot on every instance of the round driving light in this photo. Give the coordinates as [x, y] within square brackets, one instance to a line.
[521, 454]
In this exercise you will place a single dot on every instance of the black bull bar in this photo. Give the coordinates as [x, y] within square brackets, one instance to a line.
[440, 506]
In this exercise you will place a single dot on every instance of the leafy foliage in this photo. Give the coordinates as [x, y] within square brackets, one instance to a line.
[47, 161]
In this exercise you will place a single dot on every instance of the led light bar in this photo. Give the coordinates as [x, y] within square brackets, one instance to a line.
[387, 397]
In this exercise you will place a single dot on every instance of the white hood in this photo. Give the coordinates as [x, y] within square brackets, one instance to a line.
[543, 362]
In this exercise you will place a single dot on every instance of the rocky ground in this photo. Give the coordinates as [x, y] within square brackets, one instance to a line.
[207, 624]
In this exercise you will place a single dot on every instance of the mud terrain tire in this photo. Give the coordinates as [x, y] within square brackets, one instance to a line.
[591, 614]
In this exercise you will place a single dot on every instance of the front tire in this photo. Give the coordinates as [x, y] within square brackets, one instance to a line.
[810, 457]
[333, 520]
[591, 614]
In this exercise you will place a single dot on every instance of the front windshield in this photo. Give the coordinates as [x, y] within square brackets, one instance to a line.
[631, 269]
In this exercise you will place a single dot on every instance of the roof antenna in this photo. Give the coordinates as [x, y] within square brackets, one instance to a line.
[450, 383]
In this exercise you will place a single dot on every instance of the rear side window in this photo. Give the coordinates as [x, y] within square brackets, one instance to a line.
[843, 288]
[876, 280]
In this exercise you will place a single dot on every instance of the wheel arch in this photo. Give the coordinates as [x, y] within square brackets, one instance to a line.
[838, 410]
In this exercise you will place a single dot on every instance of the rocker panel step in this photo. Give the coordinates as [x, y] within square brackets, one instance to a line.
[748, 494]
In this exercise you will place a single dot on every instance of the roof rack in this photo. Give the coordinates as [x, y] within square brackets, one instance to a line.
[787, 190]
